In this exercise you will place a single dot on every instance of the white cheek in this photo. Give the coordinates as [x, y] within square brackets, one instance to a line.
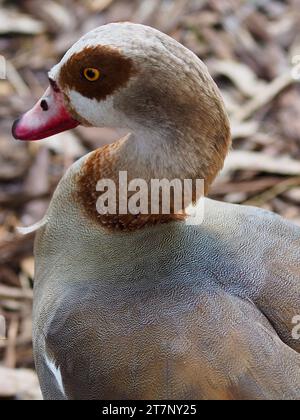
[97, 113]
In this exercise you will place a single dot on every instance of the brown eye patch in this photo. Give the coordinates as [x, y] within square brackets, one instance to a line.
[115, 72]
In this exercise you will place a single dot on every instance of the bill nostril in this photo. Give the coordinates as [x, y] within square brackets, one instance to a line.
[44, 105]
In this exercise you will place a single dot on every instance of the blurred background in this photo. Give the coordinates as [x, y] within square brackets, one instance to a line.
[252, 49]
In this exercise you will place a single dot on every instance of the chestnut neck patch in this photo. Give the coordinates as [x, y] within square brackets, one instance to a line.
[102, 165]
[115, 72]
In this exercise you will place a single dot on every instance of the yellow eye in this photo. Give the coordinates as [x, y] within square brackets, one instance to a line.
[91, 74]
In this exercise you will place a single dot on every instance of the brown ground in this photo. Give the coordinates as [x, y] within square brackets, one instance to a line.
[252, 50]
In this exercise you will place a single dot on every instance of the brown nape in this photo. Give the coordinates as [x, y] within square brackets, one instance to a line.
[115, 70]
[102, 164]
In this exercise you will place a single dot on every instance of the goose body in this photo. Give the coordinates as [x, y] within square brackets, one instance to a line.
[142, 308]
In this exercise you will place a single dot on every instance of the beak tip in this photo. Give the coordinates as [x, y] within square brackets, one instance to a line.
[37, 124]
[15, 129]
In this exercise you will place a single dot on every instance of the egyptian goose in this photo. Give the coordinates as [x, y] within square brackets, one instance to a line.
[154, 307]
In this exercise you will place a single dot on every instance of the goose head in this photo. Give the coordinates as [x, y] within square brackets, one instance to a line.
[136, 78]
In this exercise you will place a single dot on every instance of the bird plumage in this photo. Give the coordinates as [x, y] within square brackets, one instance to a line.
[173, 310]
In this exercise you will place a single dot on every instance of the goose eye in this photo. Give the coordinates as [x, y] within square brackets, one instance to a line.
[92, 75]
